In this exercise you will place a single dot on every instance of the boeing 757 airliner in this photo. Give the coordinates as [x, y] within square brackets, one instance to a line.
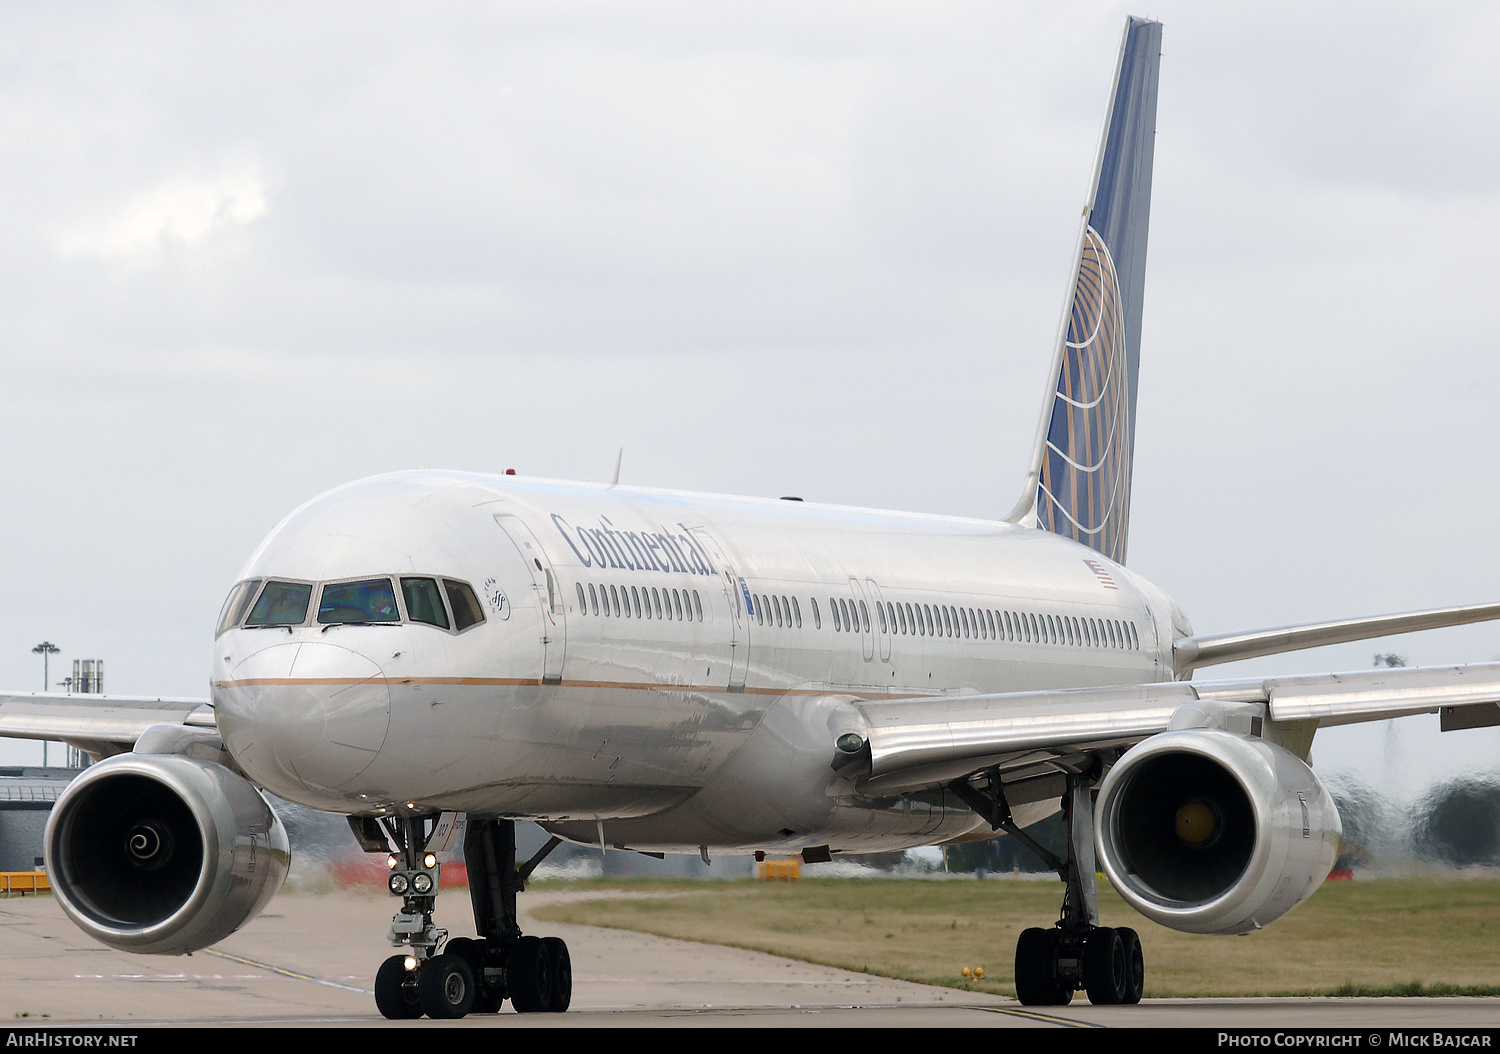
[437, 655]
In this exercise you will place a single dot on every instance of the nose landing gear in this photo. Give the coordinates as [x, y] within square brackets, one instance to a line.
[471, 975]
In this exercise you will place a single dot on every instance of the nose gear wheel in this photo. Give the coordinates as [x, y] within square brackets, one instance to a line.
[471, 975]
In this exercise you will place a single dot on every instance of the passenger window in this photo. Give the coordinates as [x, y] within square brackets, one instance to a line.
[797, 612]
[697, 607]
[817, 615]
[466, 609]
[583, 601]
[593, 599]
[281, 604]
[423, 601]
[677, 602]
[838, 621]
[234, 605]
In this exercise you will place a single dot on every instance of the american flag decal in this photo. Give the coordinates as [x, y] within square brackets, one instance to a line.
[1101, 574]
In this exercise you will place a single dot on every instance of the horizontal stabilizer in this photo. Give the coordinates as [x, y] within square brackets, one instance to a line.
[1191, 653]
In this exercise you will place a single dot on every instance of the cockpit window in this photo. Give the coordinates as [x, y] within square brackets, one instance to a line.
[466, 610]
[423, 601]
[281, 604]
[234, 605]
[372, 600]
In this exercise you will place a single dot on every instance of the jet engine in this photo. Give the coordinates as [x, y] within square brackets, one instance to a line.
[163, 854]
[1210, 831]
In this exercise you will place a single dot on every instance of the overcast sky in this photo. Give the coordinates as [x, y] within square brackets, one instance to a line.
[815, 248]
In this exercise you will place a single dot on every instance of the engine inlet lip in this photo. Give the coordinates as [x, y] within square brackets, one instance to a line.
[1114, 792]
[176, 775]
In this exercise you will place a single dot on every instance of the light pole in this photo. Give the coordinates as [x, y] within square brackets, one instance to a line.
[45, 649]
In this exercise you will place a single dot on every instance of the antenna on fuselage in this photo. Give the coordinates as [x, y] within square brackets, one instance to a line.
[618, 458]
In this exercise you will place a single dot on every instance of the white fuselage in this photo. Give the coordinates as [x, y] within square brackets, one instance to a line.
[660, 669]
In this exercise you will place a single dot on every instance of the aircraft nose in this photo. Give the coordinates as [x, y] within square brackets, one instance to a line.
[304, 716]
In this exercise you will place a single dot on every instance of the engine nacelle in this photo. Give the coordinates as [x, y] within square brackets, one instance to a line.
[163, 854]
[1208, 831]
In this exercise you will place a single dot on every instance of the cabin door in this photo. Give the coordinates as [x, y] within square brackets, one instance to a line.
[883, 629]
[546, 590]
[736, 599]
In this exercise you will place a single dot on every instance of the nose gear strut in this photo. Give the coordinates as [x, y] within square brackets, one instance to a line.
[468, 974]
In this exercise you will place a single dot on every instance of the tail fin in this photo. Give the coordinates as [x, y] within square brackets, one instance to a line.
[1079, 484]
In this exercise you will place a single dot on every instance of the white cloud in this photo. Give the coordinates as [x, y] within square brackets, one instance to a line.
[182, 212]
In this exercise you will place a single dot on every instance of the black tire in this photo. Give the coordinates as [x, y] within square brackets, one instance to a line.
[487, 999]
[1106, 972]
[396, 990]
[445, 987]
[530, 976]
[1037, 983]
[562, 974]
[1135, 961]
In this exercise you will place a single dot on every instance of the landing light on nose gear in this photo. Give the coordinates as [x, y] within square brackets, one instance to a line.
[470, 975]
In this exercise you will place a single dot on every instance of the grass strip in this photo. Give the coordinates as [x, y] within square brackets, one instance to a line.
[1390, 937]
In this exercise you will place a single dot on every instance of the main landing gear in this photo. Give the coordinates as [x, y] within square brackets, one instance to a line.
[469, 975]
[1051, 964]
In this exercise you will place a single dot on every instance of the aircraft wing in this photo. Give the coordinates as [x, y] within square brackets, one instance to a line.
[920, 743]
[1192, 653]
[100, 724]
